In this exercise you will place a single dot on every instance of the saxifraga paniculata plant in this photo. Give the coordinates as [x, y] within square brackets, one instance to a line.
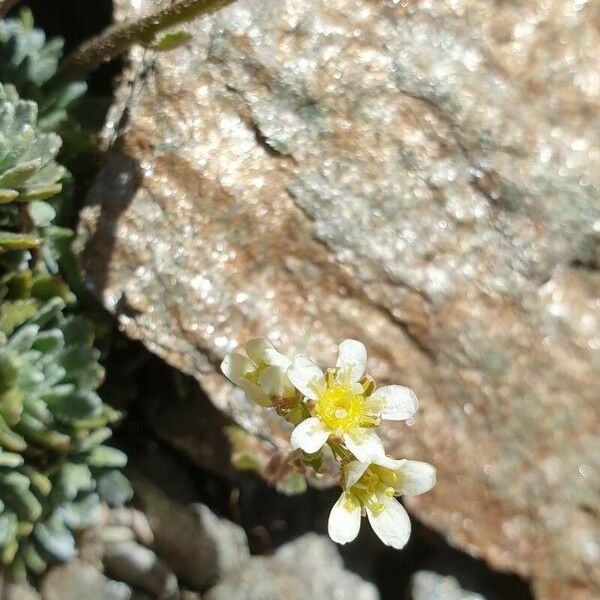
[54, 470]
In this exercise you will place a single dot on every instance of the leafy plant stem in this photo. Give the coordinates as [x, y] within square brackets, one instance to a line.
[116, 39]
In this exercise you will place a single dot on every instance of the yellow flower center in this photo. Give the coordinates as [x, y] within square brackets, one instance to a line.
[372, 488]
[340, 408]
[342, 405]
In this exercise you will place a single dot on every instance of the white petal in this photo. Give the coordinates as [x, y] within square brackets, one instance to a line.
[392, 524]
[352, 356]
[262, 352]
[254, 393]
[365, 445]
[310, 435]
[344, 520]
[389, 463]
[394, 402]
[235, 367]
[306, 376]
[354, 471]
[415, 477]
[273, 381]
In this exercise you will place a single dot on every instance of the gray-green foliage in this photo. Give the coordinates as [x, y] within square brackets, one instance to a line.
[55, 472]
[30, 62]
[54, 469]
[28, 172]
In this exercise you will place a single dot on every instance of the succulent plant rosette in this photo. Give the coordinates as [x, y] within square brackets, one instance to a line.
[55, 472]
[54, 469]
[338, 411]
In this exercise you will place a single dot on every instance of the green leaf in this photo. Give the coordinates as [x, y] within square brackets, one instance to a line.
[55, 539]
[13, 314]
[81, 513]
[78, 358]
[105, 456]
[34, 561]
[8, 528]
[33, 429]
[10, 459]
[40, 192]
[18, 241]
[40, 483]
[78, 331]
[8, 195]
[20, 173]
[48, 286]
[18, 283]
[21, 501]
[36, 408]
[10, 440]
[11, 406]
[23, 339]
[170, 41]
[92, 439]
[72, 479]
[48, 312]
[81, 404]
[24, 528]
[114, 488]
[49, 341]
[9, 369]
[41, 213]
[13, 479]
[8, 552]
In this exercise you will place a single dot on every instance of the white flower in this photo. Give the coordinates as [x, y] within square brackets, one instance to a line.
[262, 374]
[342, 403]
[371, 490]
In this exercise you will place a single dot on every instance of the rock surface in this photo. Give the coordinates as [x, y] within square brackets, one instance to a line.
[309, 567]
[194, 542]
[18, 591]
[426, 585]
[141, 568]
[419, 175]
[80, 581]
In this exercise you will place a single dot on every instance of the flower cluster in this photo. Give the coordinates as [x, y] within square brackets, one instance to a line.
[340, 409]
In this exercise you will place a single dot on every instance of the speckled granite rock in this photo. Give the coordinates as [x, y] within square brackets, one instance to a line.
[18, 591]
[426, 585]
[199, 546]
[419, 175]
[141, 568]
[80, 581]
[309, 567]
